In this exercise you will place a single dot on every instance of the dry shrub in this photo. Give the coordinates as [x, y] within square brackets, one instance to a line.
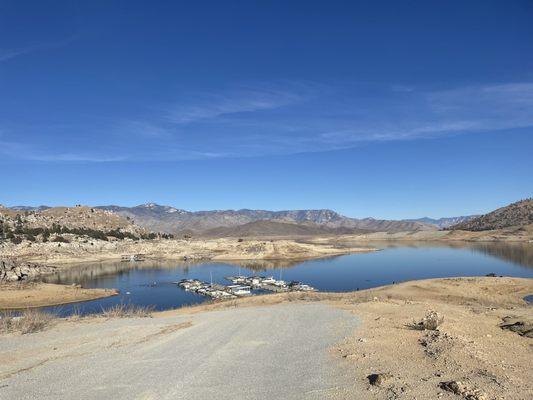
[29, 321]
[128, 311]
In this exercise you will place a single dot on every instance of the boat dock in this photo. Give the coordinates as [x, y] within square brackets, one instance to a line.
[242, 286]
[132, 257]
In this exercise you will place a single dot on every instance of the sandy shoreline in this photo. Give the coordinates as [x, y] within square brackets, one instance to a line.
[34, 295]
[67, 254]
[267, 252]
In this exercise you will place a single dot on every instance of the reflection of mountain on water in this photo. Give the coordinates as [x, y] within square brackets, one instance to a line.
[517, 253]
[263, 265]
[93, 272]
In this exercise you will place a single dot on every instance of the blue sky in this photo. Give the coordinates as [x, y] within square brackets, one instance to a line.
[384, 108]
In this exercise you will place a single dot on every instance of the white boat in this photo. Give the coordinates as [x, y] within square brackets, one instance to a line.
[239, 290]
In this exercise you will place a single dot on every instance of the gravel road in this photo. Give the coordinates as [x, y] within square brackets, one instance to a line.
[271, 352]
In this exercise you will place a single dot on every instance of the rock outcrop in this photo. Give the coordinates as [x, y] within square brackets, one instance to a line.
[13, 271]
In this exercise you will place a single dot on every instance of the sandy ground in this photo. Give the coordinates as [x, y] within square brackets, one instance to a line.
[232, 343]
[29, 295]
[67, 254]
[511, 234]
[469, 346]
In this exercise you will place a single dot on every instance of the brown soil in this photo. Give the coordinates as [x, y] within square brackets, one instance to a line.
[30, 295]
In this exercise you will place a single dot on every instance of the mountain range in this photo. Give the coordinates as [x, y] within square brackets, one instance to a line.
[177, 221]
[442, 223]
[245, 222]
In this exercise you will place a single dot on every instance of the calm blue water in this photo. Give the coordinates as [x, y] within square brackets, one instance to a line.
[150, 284]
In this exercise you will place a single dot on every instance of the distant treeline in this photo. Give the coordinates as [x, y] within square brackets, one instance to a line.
[20, 232]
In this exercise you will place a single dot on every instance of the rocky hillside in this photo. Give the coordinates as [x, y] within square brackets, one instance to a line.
[516, 214]
[270, 228]
[443, 223]
[178, 221]
[66, 223]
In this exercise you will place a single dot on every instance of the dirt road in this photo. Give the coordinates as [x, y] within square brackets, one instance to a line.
[272, 352]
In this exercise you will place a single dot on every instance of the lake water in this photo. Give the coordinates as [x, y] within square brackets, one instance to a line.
[151, 283]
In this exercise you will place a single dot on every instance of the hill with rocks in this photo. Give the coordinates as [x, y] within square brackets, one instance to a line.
[66, 223]
[516, 214]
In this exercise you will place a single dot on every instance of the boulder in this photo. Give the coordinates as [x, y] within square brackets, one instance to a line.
[430, 322]
[14, 271]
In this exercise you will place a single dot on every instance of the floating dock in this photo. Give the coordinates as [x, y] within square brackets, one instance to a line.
[242, 286]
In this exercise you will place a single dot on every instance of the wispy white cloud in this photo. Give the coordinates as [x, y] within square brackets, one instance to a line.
[440, 113]
[207, 106]
[8, 54]
[268, 120]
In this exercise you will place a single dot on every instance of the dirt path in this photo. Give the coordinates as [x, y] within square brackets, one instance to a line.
[280, 352]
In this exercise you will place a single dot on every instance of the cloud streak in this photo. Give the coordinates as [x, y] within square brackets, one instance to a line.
[209, 106]
[6, 55]
[275, 120]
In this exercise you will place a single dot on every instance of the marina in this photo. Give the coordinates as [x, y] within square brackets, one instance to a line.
[154, 284]
[242, 286]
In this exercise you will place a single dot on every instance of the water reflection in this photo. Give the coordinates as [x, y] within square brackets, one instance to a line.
[92, 272]
[517, 253]
[150, 283]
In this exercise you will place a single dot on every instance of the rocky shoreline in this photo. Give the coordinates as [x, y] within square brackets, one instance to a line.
[12, 270]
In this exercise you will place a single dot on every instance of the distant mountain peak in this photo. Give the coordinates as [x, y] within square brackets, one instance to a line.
[443, 223]
[159, 207]
[149, 205]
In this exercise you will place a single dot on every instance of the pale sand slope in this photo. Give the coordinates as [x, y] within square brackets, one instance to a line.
[265, 350]
[209, 249]
[511, 234]
[28, 295]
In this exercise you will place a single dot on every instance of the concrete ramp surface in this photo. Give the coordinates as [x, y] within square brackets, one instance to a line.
[271, 352]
